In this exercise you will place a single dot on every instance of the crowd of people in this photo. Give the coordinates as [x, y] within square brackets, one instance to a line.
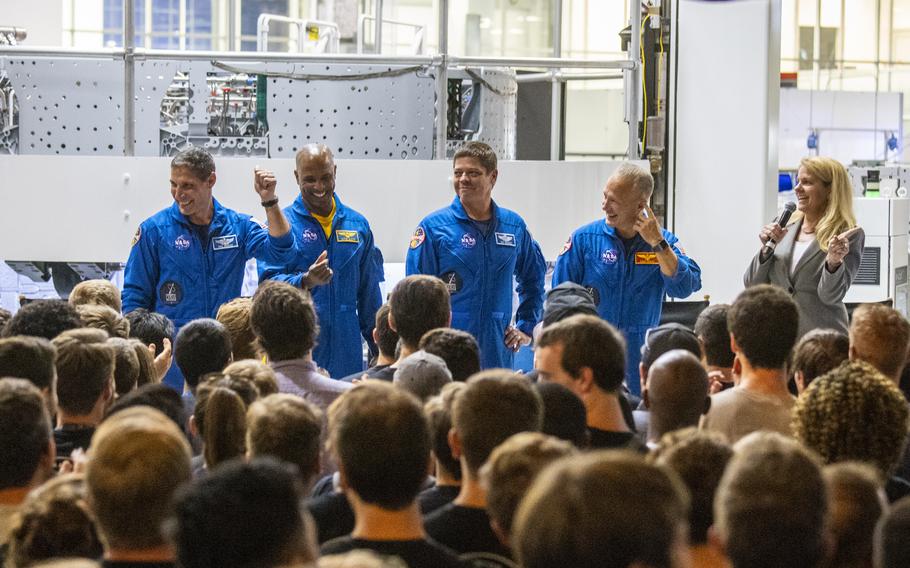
[748, 440]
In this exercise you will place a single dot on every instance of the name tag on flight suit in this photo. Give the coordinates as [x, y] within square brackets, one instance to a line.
[347, 236]
[646, 258]
[225, 242]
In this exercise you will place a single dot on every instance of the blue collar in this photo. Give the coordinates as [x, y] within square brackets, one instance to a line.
[218, 215]
[301, 209]
[458, 209]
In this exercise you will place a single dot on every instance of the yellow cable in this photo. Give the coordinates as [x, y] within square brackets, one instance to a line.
[644, 85]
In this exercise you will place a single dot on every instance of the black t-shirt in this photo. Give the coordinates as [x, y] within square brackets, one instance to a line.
[436, 497]
[463, 529]
[71, 437]
[333, 515]
[112, 564]
[605, 440]
[416, 553]
[381, 372]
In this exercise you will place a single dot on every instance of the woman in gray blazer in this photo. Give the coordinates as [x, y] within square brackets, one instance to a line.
[819, 251]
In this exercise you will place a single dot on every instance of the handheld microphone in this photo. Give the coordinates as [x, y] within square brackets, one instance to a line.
[782, 221]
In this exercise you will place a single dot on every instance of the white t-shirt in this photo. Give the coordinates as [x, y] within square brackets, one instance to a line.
[799, 248]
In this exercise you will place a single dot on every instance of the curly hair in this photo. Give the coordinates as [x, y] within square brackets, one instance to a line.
[853, 413]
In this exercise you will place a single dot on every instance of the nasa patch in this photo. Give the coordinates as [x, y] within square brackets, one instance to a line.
[608, 256]
[452, 281]
[182, 243]
[309, 236]
[468, 240]
[171, 293]
[137, 236]
[418, 237]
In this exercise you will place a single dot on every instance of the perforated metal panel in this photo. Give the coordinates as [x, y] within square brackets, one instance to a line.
[68, 105]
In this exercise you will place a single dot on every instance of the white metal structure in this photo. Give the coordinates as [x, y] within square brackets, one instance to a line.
[327, 36]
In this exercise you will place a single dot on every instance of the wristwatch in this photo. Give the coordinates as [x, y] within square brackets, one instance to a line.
[661, 246]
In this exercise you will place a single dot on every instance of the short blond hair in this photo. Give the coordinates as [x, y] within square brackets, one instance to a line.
[139, 458]
[880, 335]
[286, 427]
[104, 318]
[235, 316]
[99, 292]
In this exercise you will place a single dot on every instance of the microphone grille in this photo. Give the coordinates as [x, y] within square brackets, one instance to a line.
[790, 206]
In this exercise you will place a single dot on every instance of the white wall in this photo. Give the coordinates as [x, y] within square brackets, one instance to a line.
[723, 163]
[42, 18]
[79, 208]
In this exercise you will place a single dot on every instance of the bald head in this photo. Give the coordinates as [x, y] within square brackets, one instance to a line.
[677, 392]
[315, 173]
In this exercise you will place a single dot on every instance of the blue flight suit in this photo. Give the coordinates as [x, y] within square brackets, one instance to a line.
[170, 271]
[347, 305]
[479, 270]
[627, 283]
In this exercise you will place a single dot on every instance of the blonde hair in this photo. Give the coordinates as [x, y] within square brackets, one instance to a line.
[102, 317]
[100, 292]
[838, 215]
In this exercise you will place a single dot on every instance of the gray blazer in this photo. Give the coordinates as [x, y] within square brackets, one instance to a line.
[818, 294]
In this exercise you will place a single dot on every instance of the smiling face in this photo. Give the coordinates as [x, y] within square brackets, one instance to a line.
[812, 194]
[621, 204]
[472, 182]
[193, 195]
[315, 175]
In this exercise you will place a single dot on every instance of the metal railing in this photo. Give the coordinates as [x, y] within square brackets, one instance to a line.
[329, 37]
[416, 42]
[441, 63]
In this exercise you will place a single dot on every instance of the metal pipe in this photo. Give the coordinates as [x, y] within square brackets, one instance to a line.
[544, 62]
[555, 117]
[560, 76]
[634, 74]
[557, 28]
[129, 79]
[442, 82]
[377, 26]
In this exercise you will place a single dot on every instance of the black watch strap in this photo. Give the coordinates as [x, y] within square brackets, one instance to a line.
[661, 246]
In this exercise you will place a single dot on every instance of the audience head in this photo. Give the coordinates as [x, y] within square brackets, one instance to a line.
[422, 374]
[815, 354]
[711, 329]
[763, 323]
[667, 337]
[699, 458]
[606, 509]
[582, 352]
[98, 292]
[33, 359]
[5, 316]
[85, 371]
[567, 299]
[853, 413]
[126, 364]
[511, 470]
[676, 393]
[381, 441]
[245, 515]
[771, 504]
[257, 372]
[439, 414]
[856, 501]
[418, 304]
[284, 321]
[26, 443]
[220, 416]
[203, 346]
[104, 318]
[147, 372]
[892, 547]
[287, 428]
[138, 460]
[564, 414]
[162, 398]
[235, 317]
[457, 348]
[54, 522]
[43, 318]
[385, 337]
[494, 405]
[151, 328]
[880, 335]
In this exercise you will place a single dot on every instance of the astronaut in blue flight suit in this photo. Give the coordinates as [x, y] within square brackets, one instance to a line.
[337, 261]
[188, 259]
[628, 262]
[476, 247]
